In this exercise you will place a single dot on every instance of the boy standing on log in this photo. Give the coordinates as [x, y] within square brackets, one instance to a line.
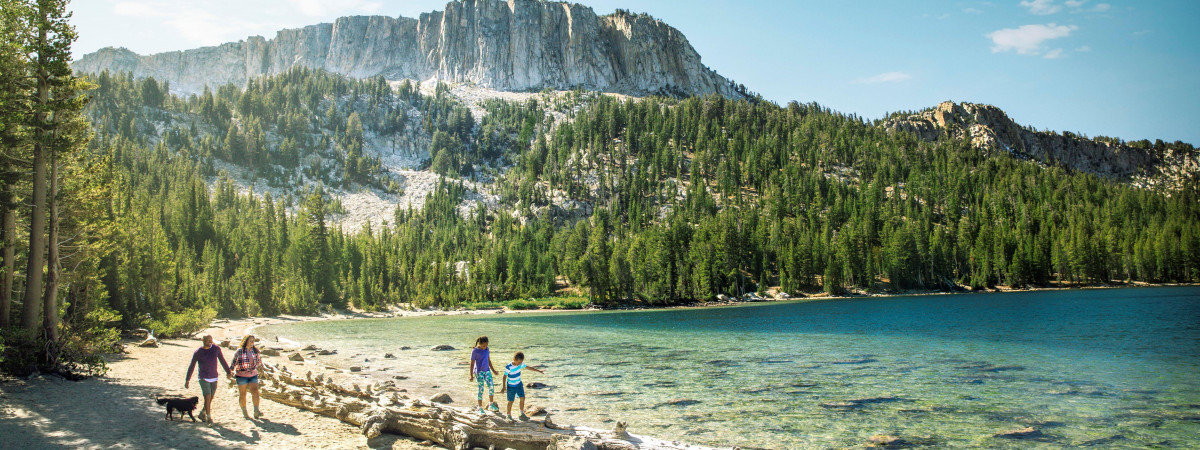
[512, 383]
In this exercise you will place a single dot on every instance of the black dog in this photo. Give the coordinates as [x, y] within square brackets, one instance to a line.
[179, 404]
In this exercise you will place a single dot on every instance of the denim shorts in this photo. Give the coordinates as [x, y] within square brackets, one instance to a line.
[516, 390]
[247, 380]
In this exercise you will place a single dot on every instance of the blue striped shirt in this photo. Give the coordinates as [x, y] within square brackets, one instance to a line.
[514, 374]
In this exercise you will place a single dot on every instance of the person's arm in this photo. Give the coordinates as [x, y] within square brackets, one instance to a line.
[535, 369]
[490, 366]
[471, 367]
[221, 357]
[191, 366]
[504, 382]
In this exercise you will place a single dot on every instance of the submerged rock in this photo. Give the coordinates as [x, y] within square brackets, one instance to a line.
[327, 352]
[405, 348]
[678, 402]
[1020, 433]
[860, 402]
[855, 361]
[389, 356]
[536, 385]
[886, 441]
[442, 348]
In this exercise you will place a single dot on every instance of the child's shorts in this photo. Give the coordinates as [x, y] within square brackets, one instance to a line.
[516, 390]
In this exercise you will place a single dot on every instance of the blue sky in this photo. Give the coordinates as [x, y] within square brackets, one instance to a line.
[1112, 67]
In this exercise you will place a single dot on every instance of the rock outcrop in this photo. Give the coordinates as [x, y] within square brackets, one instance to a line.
[515, 45]
[989, 128]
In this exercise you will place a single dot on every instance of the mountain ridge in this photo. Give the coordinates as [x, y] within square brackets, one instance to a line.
[517, 45]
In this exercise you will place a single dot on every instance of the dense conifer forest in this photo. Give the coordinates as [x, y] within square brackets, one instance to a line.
[602, 200]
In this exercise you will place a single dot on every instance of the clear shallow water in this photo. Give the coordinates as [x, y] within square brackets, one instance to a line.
[1106, 368]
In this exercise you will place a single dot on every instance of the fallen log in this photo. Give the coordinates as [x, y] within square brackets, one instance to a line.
[377, 412]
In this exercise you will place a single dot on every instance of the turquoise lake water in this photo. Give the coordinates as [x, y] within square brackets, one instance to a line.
[1105, 367]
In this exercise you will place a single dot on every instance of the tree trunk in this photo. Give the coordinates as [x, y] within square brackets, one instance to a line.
[8, 229]
[50, 306]
[378, 411]
[37, 219]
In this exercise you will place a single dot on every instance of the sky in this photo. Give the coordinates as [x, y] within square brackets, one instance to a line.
[1122, 68]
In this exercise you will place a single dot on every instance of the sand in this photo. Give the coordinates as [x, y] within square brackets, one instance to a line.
[118, 409]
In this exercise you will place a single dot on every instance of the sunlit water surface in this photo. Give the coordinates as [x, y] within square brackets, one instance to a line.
[1108, 368]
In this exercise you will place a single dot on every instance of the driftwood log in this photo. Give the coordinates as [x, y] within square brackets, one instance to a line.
[377, 410]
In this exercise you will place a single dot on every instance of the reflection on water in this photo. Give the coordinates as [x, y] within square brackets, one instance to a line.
[1111, 368]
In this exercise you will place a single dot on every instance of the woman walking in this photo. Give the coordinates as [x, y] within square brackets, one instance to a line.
[246, 362]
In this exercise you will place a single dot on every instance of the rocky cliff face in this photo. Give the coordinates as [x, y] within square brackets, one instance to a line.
[513, 45]
[989, 128]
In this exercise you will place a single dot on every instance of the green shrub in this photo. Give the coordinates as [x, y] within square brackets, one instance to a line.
[182, 324]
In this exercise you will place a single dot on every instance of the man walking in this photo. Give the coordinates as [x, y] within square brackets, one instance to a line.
[207, 356]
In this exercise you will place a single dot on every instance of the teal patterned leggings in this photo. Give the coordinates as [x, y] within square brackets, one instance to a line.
[482, 378]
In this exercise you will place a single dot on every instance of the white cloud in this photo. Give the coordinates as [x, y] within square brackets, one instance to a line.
[1053, 54]
[1027, 39]
[318, 8]
[889, 77]
[1102, 7]
[195, 25]
[1041, 7]
[1075, 3]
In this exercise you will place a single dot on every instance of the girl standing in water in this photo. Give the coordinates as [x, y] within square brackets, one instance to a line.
[481, 373]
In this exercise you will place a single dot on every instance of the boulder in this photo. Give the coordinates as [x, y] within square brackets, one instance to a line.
[679, 402]
[535, 410]
[442, 348]
[565, 442]
[270, 352]
[885, 440]
[327, 352]
[355, 368]
[1020, 433]
[536, 385]
[150, 342]
[309, 348]
[296, 357]
[441, 398]
[405, 348]
[389, 356]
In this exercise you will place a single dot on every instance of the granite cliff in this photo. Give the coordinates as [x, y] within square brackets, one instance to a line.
[989, 128]
[514, 45]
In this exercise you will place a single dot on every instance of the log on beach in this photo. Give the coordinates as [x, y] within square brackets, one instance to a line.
[455, 428]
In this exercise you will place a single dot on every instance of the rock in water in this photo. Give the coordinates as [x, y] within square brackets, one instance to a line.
[389, 356]
[326, 352]
[536, 385]
[886, 440]
[442, 398]
[520, 46]
[442, 348]
[296, 357]
[565, 442]
[1020, 433]
[270, 352]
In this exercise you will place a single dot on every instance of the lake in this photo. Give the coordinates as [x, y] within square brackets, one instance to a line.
[1096, 367]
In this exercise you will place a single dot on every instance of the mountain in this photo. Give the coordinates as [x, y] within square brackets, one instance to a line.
[989, 128]
[518, 45]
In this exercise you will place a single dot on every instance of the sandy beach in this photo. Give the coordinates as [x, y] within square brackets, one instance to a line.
[118, 409]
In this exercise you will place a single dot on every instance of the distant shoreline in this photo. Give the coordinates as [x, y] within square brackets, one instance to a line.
[396, 312]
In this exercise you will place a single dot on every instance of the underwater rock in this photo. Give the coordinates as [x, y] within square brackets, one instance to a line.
[1020, 433]
[389, 356]
[405, 348]
[605, 393]
[886, 441]
[854, 361]
[536, 385]
[860, 402]
[678, 402]
[442, 348]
